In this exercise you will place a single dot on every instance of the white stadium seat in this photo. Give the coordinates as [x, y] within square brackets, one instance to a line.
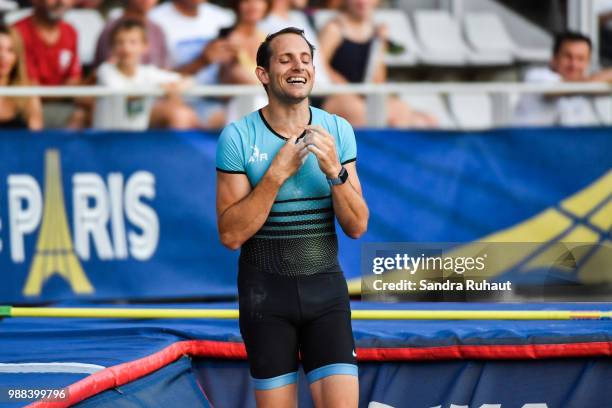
[8, 5]
[486, 34]
[471, 111]
[442, 42]
[400, 32]
[440, 38]
[88, 24]
[433, 104]
[399, 29]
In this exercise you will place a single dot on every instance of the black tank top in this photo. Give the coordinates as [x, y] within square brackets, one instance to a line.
[351, 59]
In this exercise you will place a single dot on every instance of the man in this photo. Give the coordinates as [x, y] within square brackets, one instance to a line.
[283, 173]
[157, 51]
[50, 46]
[190, 27]
[570, 63]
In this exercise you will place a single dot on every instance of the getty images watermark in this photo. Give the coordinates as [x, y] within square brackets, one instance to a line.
[481, 271]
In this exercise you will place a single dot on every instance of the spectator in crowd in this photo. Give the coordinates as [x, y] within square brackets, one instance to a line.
[288, 13]
[354, 48]
[129, 43]
[157, 51]
[570, 63]
[51, 54]
[191, 28]
[16, 113]
[245, 37]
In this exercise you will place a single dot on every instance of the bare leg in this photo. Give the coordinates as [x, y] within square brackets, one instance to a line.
[400, 115]
[281, 397]
[216, 120]
[174, 114]
[336, 391]
[350, 107]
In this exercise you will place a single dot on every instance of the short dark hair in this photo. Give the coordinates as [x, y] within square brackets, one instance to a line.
[127, 24]
[264, 52]
[570, 36]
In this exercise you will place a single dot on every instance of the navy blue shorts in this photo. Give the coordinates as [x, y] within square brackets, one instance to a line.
[284, 319]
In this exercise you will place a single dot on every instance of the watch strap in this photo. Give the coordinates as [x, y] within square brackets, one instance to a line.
[341, 179]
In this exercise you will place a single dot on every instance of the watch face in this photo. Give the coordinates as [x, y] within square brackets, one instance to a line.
[343, 174]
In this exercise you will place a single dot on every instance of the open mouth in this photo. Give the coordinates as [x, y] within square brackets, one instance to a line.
[296, 80]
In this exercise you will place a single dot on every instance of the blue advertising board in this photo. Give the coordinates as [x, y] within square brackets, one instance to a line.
[102, 216]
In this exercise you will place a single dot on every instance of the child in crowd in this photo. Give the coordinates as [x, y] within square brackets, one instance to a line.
[124, 70]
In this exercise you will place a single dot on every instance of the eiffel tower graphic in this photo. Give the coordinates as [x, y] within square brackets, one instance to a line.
[54, 250]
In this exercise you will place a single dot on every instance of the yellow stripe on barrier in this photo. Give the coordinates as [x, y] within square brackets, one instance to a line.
[124, 313]
[478, 315]
[157, 313]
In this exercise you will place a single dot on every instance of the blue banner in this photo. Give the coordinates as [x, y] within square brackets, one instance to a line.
[102, 216]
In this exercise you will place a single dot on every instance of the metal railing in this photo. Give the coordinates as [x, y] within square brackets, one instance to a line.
[501, 93]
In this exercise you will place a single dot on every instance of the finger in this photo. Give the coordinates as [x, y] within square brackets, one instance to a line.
[301, 147]
[316, 151]
[308, 137]
[292, 140]
[303, 152]
[320, 140]
[317, 129]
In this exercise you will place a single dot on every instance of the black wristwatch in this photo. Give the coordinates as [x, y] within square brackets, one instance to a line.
[341, 179]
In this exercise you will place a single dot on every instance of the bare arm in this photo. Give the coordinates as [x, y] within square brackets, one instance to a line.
[602, 76]
[349, 206]
[242, 211]
[235, 73]
[217, 51]
[34, 114]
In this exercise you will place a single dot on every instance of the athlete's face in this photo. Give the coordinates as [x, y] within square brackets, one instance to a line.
[291, 74]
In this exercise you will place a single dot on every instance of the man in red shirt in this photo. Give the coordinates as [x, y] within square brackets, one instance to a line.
[51, 55]
[50, 44]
